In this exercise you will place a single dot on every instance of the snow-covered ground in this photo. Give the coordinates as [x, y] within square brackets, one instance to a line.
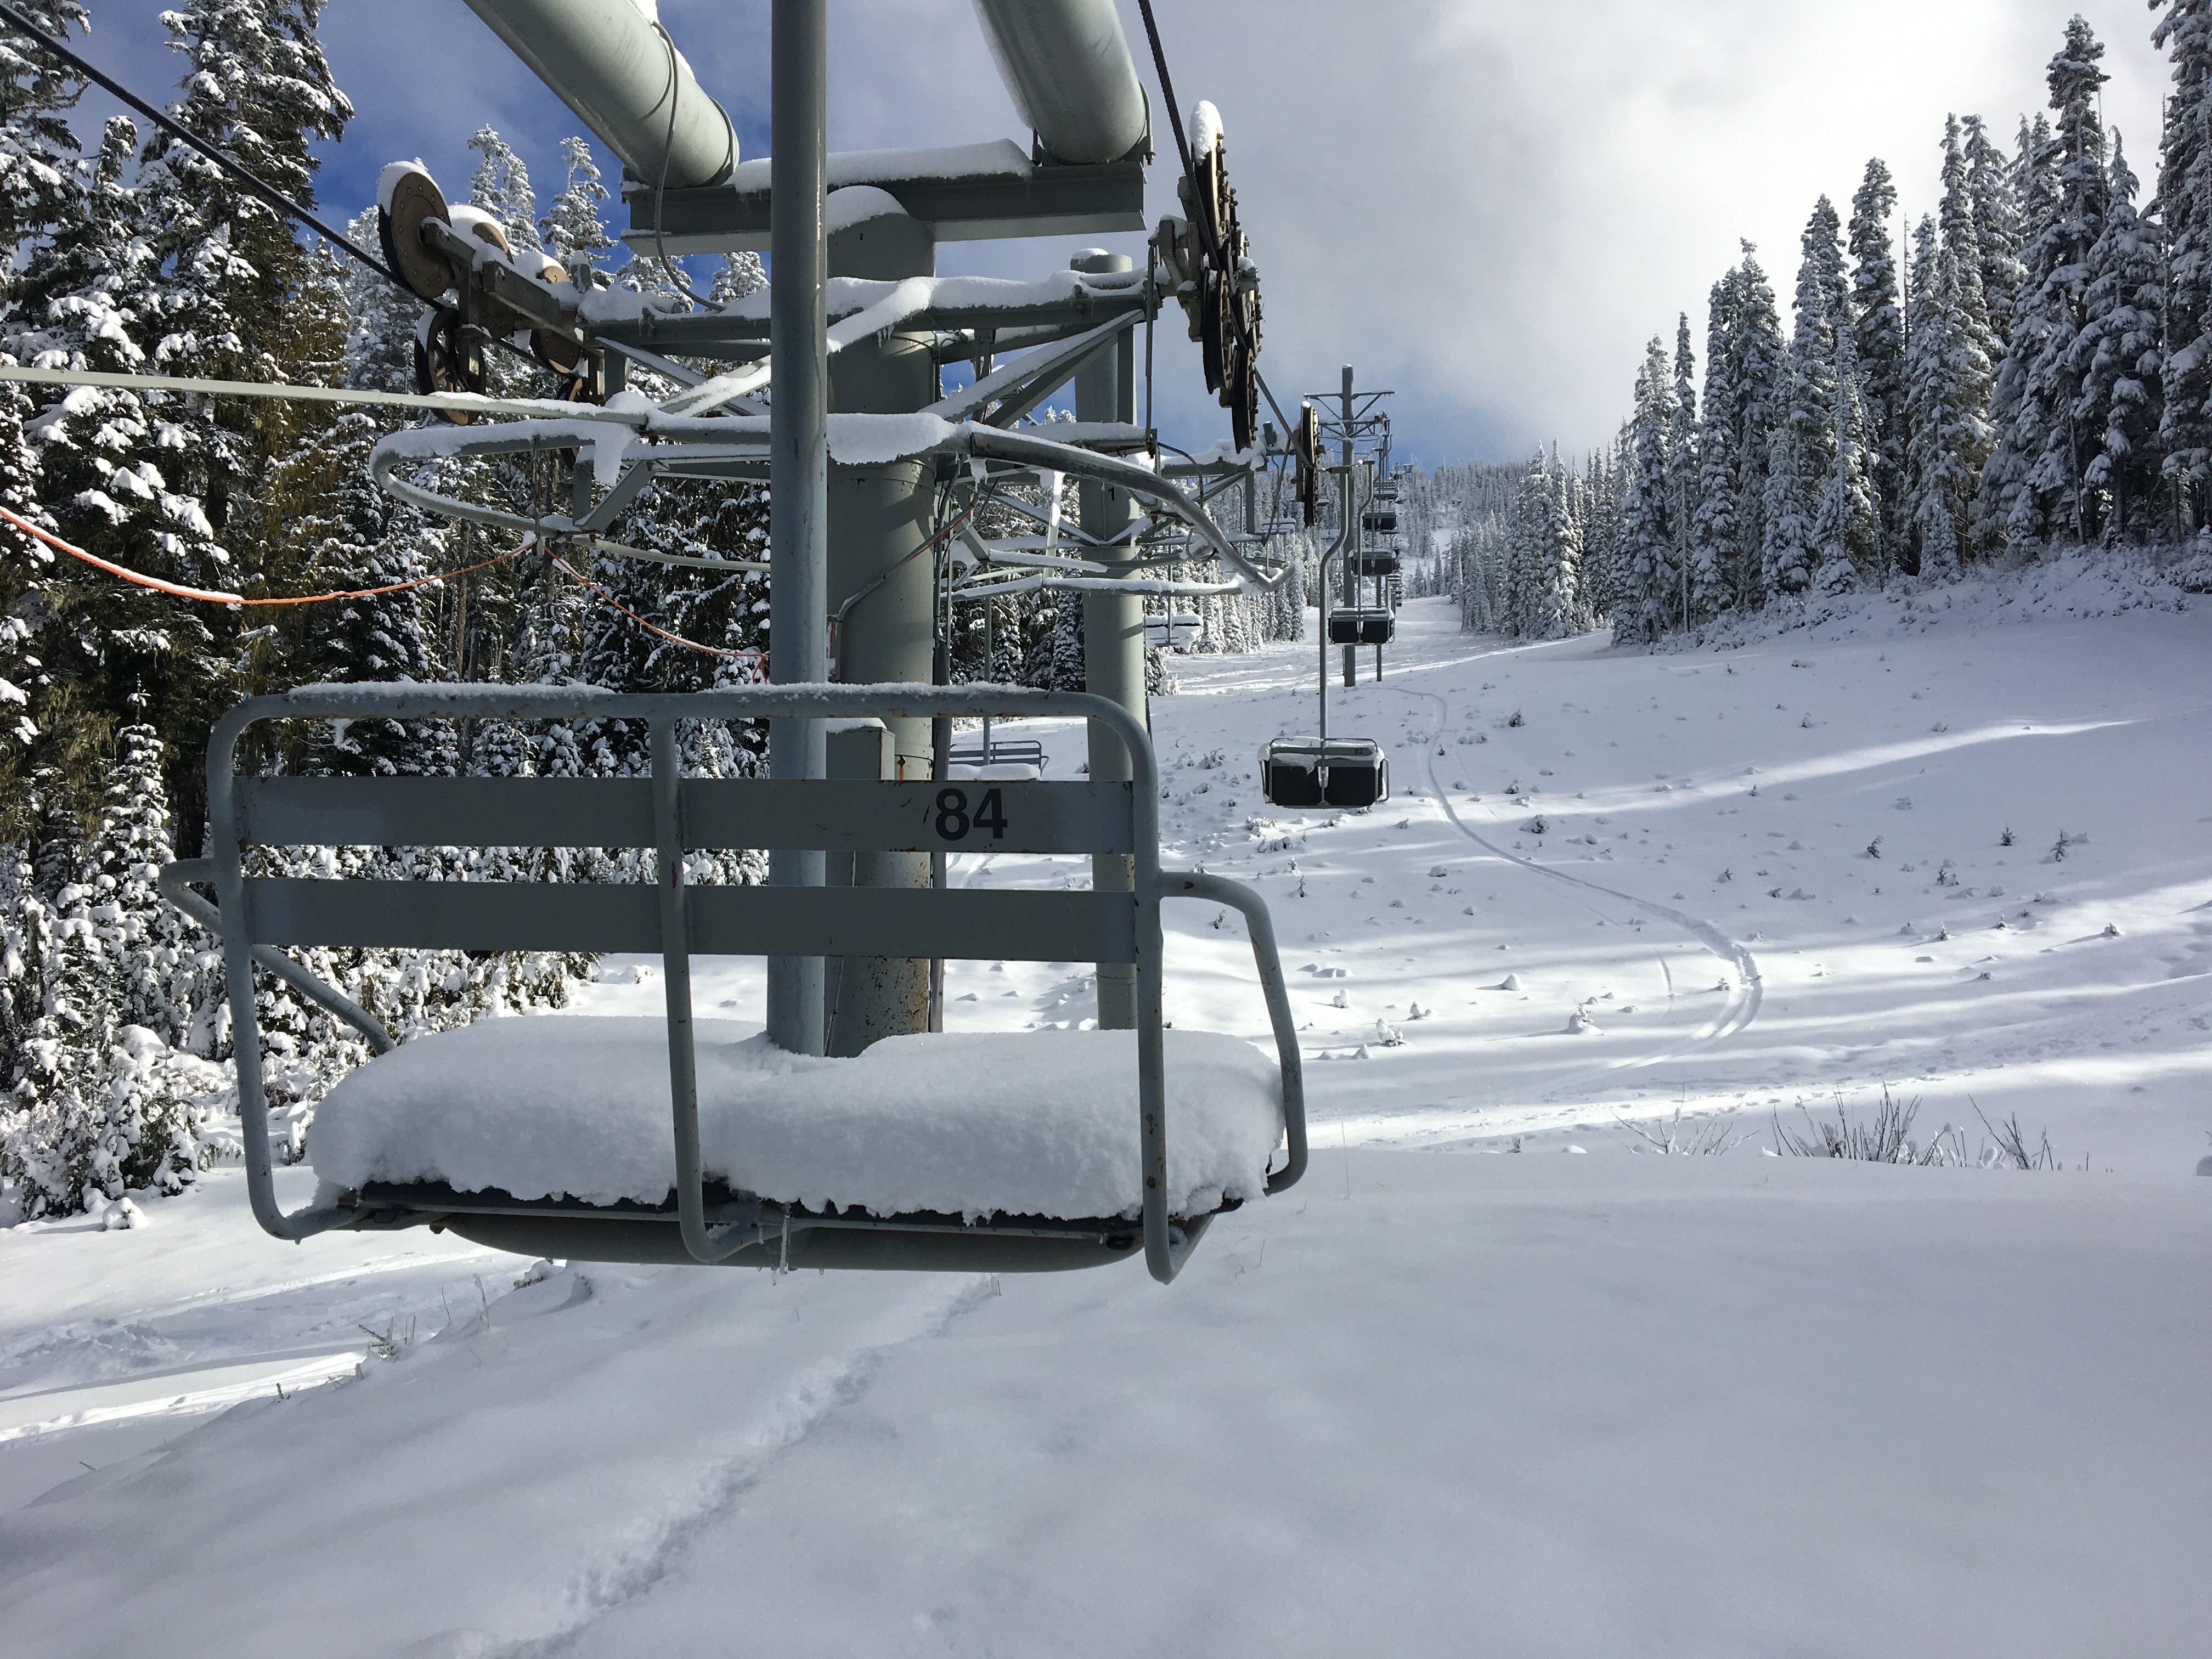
[1596, 1402]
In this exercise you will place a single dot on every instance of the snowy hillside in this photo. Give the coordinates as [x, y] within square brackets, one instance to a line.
[1440, 1398]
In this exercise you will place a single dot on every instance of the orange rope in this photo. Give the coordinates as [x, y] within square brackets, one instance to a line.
[607, 598]
[207, 596]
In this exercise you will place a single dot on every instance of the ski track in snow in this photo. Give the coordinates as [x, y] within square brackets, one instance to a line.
[660, 1542]
[1744, 995]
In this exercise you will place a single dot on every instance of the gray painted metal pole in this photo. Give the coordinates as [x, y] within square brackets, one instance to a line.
[882, 599]
[1113, 627]
[1354, 540]
[798, 466]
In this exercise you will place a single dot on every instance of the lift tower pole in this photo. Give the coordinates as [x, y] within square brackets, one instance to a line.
[798, 505]
[1355, 542]
[1113, 627]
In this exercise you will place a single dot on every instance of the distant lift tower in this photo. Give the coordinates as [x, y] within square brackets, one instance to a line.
[1360, 426]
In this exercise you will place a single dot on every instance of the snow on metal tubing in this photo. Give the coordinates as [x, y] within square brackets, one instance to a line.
[1065, 65]
[615, 433]
[607, 62]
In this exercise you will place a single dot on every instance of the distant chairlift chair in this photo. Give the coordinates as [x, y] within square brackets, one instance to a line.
[1365, 625]
[1347, 772]
[451, 1130]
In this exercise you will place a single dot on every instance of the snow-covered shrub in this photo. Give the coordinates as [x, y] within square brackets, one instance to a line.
[1886, 1137]
[1699, 1137]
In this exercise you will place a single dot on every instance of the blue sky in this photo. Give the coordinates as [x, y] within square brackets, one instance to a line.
[1488, 206]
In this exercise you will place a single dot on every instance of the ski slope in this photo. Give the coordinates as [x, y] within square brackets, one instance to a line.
[1580, 1399]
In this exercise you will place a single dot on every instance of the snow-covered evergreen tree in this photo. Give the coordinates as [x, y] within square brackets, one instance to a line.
[501, 186]
[1945, 375]
[109, 467]
[1995, 195]
[1682, 467]
[2007, 509]
[1878, 342]
[2184, 207]
[2044, 449]
[739, 275]
[1761, 361]
[2119, 360]
[1717, 526]
[39, 181]
[1647, 536]
[1846, 531]
[1805, 440]
[575, 231]
[164, 978]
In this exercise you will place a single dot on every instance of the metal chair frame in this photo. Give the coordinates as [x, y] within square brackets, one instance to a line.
[672, 815]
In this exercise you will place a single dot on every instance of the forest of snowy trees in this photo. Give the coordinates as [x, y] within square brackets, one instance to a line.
[135, 254]
[2031, 370]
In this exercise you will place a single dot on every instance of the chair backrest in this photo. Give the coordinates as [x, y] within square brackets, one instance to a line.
[693, 814]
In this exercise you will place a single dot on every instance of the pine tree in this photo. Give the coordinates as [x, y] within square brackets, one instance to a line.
[1682, 467]
[1761, 365]
[501, 186]
[26, 943]
[101, 1110]
[740, 274]
[1794, 481]
[165, 977]
[1805, 446]
[1715, 532]
[1647, 549]
[39, 168]
[2119, 360]
[1962, 238]
[109, 475]
[2045, 447]
[2183, 206]
[1944, 373]
[1846, 532]
[380, 318]
[24, 561]
[575, 233]
[1994, 196]
[1878, 342]
[2008, 511]
[1557, 601]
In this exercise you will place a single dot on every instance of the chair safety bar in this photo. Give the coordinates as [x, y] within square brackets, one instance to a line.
[680, 815]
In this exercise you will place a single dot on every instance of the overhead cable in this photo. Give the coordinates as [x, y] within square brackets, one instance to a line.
[244, 175]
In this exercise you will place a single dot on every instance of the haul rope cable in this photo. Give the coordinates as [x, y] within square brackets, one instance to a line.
[211, 596]
[268, 193]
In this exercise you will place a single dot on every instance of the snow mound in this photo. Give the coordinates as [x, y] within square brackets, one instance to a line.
[2070, 585]
[1019, 1123]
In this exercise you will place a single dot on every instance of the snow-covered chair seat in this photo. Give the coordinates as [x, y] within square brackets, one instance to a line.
[1033, 1123]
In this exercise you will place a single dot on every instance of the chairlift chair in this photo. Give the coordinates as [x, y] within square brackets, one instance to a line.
[1365, 625]
[1376, 562]
[1177, 629]
[426, 1110]
[1380, 521]
[998, 751]
[1347, 772]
